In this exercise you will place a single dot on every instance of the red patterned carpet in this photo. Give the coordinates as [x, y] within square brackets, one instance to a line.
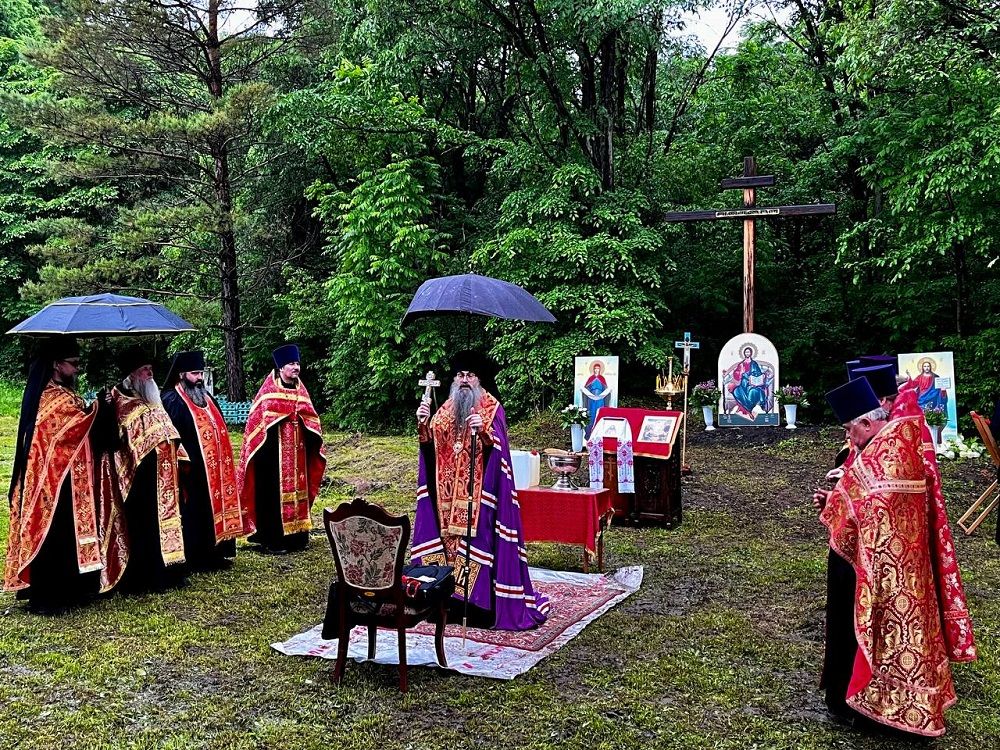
[575, 600]
[569, 603]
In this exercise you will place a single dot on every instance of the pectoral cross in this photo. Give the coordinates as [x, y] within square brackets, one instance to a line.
[750, 212]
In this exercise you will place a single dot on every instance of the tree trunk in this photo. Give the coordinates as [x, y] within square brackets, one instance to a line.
[232, 324]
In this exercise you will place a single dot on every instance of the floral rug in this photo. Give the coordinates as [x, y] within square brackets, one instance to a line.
[575, 600]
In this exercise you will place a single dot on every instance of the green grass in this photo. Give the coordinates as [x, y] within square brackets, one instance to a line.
[721, 648]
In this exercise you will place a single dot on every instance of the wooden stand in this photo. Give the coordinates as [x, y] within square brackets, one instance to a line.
[657, 496]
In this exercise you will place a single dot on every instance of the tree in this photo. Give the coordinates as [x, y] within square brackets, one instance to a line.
[168, 93]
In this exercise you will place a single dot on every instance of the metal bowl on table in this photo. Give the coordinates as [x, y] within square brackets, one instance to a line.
[564, 465]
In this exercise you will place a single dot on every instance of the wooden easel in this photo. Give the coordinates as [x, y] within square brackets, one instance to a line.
[983, 425]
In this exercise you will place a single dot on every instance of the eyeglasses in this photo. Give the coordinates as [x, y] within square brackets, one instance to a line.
[465, 375]
[75, 362]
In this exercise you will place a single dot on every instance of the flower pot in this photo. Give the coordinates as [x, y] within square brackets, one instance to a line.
[709, 414]
[790, 415]
[576, 436]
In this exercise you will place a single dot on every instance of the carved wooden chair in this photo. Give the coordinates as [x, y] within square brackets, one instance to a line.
[991, 497]
[369, 548]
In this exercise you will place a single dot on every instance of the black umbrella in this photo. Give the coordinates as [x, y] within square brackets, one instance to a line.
[476, 295]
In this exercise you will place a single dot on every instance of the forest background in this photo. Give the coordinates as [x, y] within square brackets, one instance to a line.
[294, 169]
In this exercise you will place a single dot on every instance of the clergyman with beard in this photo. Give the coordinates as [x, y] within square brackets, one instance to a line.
[141, 537]
[53, 555]
[496, 563]
[281, 460]
[210, 506]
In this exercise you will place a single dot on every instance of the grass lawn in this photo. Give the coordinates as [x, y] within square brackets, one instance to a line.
[721, 648]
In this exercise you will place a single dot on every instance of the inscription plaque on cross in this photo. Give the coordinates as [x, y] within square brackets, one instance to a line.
[749, 214]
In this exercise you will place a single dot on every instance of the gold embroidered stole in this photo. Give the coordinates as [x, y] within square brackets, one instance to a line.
[220, 470]
[60, 451]
[452, 449]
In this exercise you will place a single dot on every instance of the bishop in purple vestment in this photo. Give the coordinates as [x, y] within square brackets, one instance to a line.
[500, 590]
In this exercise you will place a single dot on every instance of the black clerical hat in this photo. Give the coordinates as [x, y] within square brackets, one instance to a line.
[874, 360]
[284, 355]
[882, 379]
[188, 362]
[853, 399]
[59, 347]
[133, 358]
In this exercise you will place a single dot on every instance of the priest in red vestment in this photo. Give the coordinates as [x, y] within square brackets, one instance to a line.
[141, 538]
[896, 612]
[53, 555]
[281, 461]
[210, 505]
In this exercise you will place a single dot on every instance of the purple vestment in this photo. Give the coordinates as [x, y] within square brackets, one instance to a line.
[499, 581]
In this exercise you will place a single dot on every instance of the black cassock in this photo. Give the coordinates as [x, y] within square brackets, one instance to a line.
[267, 486]
[197, 518]
[56, 580]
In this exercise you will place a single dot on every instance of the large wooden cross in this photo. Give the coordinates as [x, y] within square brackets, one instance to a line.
[750, 212]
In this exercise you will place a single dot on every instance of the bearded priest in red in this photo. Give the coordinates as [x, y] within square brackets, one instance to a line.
[210, 506]
[896, 611]
[141, 538]
[53, 555]
[282, 461]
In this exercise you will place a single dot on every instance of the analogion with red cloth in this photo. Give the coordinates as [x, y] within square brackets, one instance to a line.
[60, 452]
[882, 523]
[300, 461]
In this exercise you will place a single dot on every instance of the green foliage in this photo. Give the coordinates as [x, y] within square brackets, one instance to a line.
[589, 256]
[383, 250]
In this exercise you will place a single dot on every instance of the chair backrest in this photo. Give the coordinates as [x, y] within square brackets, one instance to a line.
[369, 547]
[983, 425]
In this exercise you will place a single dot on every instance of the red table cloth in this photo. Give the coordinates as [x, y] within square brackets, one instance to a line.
[565, 516]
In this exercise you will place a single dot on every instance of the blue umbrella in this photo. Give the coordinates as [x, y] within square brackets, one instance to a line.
[476, 295]
[102, 315]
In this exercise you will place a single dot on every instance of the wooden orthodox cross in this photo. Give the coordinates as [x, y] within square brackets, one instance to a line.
[750, 212]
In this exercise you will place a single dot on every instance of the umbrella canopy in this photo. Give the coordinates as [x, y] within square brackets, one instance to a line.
[102, 315]
[476, 295]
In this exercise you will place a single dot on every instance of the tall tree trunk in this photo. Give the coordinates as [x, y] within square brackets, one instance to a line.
[232, 324]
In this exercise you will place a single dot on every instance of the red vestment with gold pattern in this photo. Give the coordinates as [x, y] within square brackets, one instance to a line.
[883, 523]
[300, 461]
[60, 452]
[216, 453]
[145, 432]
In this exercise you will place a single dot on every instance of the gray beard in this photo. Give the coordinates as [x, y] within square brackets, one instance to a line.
[196, 393]
[146, 390]
[464, 400]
